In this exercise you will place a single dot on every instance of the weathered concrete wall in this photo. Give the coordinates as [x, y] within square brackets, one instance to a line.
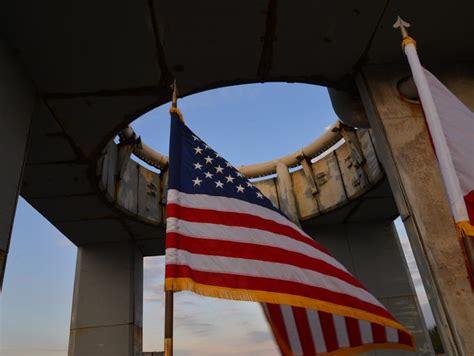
[107, 305]
[319, 187]
[373, 254]
[403, 145]
[17, 101]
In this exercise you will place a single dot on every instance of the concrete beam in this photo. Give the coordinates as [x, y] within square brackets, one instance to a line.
[107, 305]
[372, 253]
[17, 102]
[403, 145]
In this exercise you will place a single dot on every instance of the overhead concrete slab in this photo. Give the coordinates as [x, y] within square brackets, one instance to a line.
[56, 179]
[84, 46]
[322, 39]
[443, 29]
[94, 231]
[73, 208]
[211, 43]
[106, 114]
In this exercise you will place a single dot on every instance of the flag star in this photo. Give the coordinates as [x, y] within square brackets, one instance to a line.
[198, 150]
[227, 164]
[259, 195]
[239, 174]
[209, 159]
[206, 146]
[217, 154]
[195, 138]
[240, 189]
[197, 181]
[197, 165]
[208, 175]
[230, 179]
[249, 184]
[219, 184]
[219, 169]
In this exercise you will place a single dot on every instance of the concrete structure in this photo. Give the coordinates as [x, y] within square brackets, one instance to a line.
[96, 66]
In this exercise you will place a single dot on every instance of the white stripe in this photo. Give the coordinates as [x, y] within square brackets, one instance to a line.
[254, 268]
[291, 330]
[244, 234]
[204, 201]
[366, 332]
[341, 330]
[391, 334]
[316, 330]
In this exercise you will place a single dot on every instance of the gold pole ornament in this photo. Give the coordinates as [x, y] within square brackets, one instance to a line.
[174, 102]
[403, 25]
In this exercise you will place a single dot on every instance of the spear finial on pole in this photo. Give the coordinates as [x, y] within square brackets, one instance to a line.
[174, 101]
[403, 25]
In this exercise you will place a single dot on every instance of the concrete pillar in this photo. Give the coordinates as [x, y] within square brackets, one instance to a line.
[403, 146]
[107, 305]
[286, 194]
[372, 253]
[17, 101]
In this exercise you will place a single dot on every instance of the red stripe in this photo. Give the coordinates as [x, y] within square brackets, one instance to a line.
[239, 220]
[404, 338]
[212, 247]
[329, 331]
[304, 331]
[378, 332]
[353, 331]
[278, 325]
[469, 200]
[228, 280]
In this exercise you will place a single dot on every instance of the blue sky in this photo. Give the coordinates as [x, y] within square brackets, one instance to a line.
[246, 124]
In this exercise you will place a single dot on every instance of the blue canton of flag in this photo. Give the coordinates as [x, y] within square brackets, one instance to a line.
[202, 170]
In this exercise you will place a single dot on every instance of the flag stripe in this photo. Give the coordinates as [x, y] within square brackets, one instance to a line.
[244, 234]
[344, 333]
[225, 204]
[278, 325]
[378, 332]
[341, 331]
[203, 215]
[278, 272]
[235, 281]
[329, 331]
[304, 331]
[353, 332]
[239, 219]
[212, 247]
[290, 325]
[316, 330]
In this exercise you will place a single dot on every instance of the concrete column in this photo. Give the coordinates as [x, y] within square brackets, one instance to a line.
[107, 305]
[372, 253]
[403, 146]
[286, 194]
[17, 101]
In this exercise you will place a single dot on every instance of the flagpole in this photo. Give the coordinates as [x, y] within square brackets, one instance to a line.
[169, 301]
[443, 154]
[169, 295]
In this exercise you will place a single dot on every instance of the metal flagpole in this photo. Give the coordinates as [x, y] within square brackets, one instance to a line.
[169, 295]
[443, 153]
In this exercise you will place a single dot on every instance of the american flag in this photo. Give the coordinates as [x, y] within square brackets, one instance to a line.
[225, 239]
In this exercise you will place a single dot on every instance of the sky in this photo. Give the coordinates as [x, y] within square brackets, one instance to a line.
[246, 124]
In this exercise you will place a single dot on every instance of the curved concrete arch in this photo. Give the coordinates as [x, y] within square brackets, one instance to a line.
[318, 187]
